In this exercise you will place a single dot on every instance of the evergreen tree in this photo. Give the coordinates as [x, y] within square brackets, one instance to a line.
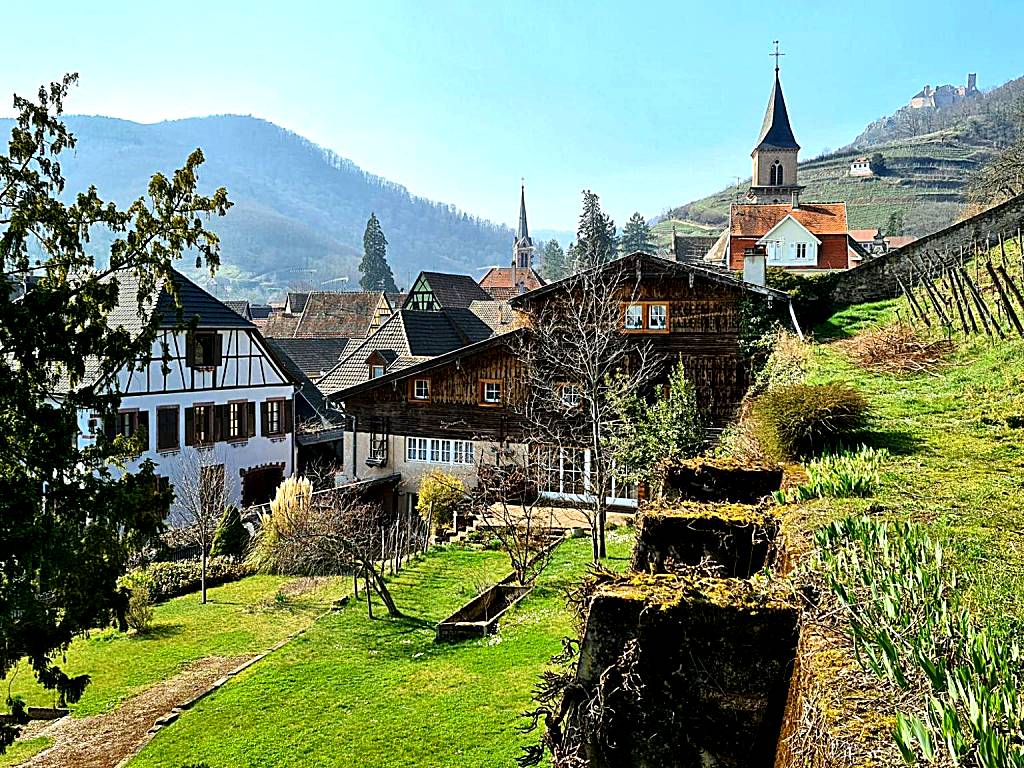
[553, 266]
[375, 274]
[232, 537]
[595, 237]
[637, 236]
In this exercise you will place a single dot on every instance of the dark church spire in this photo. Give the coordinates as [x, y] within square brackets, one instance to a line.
[523, 234]
[776, 132]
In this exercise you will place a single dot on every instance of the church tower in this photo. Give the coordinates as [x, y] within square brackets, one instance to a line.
[522, 246]
[775, 154]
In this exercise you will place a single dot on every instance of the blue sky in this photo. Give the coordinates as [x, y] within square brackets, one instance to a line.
[648, 104]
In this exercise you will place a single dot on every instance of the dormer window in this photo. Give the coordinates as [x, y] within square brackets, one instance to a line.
[376, 371]
[203, 349]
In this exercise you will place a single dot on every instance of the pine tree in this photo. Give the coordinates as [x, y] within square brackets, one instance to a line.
[595, 237]
[637, 236]
[553, 266]
[375, 273]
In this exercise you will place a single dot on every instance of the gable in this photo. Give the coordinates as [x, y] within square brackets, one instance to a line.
[421, 296]
[791, 231]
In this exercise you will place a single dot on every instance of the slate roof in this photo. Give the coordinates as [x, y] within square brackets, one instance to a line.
[452, 291]
[260, 311]
[407, 337]
[241, 307]
[208, 310]
[337, 314]
[311, 356]
[307, 389]
[776, 132]
[755, 219]
[503, 282]
[296, 302]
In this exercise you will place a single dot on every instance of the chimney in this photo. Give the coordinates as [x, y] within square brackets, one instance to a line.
[796, 199]
[927, 90]
[754, 264]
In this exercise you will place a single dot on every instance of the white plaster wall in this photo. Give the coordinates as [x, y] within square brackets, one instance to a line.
[780, 245]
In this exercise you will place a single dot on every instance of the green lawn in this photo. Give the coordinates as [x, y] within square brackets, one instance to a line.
[21, 751]
[957, 466]
[356, 692]
[244, 617]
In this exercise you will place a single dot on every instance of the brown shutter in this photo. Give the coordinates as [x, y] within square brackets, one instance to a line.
[217, 350]
[110, 426]
[143, 426]
[286, 407]
[220, 423]
[264, 418]
[250, 418]
[190, 426]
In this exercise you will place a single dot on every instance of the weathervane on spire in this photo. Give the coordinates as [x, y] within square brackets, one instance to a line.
[776, 55]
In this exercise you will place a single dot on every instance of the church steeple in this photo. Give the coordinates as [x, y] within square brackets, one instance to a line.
[522, 246]
[775, 153]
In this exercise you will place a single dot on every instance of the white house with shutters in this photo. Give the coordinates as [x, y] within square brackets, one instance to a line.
[790, 244]
[214, 396]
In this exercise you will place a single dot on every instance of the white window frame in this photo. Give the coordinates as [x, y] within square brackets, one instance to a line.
[439, 451]
[417, 394]
[634, 320]
[663, 320]
[492, 392]
[374, 371]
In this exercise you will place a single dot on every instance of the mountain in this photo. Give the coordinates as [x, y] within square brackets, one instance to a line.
[299, 210]
[930, 155]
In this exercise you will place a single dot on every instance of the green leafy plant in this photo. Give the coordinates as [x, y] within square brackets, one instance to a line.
[440, 494]
[231, 538]
[804, 419]
[172, 579]
[139, 613]
[909, 625]
[838, 476]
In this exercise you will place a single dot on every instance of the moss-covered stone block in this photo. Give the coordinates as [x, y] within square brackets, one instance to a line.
[708, 479]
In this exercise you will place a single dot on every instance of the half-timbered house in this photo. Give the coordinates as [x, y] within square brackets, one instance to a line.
[449, 410]
[215, 390]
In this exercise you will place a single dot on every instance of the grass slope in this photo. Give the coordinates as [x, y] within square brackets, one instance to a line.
[20, 751]
[355, 692]
[956, 463]
[244, 617]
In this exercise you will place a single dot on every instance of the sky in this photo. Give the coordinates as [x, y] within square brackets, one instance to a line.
[649, 105]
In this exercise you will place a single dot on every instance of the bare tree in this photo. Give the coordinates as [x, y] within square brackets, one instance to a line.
[200, 498]
[326, 533]
[578, 362]
[508, 500]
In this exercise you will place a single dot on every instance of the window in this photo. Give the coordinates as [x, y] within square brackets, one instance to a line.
[634, 317]
[490, 392]
[437, 451]
[776, 175]
[237, 426]
[419, 390]
[127, 423]
[801, 250]
[204, 350]
[274, 420]
[657, 317]
[378, 448]
[571, 395]
[376, 371]
[167, 428]
[202, 420]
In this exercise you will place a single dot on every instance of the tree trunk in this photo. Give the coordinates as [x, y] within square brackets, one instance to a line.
[202, 576]
[430, 521]
[385, 595]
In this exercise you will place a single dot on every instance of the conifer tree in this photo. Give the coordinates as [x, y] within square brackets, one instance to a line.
[553, 266]
[637, 236]
[375, 273]
[595, 237]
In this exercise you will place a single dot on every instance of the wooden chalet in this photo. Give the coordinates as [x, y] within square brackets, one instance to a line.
[449, 410]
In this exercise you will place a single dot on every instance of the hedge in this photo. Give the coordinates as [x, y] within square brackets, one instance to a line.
[172, 579]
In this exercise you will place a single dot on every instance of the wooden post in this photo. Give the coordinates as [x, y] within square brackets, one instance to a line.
[948, 280]
[962, 297]
[918, 312]
[1013, 287]
[930, 290]
[1014, 320]
[983, 310]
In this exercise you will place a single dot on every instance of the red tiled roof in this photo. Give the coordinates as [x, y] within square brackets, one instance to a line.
[898, 241]
[756, 219]
[863, 235]
[507, 277]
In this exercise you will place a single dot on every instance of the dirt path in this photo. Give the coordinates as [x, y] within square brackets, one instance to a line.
[102, 741]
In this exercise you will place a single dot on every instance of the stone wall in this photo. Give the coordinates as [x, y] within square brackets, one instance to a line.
[876, 280]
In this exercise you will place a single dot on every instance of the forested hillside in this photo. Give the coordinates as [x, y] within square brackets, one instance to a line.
[299, 210]
[929, 155]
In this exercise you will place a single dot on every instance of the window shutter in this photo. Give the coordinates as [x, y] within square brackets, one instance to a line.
[286, 408]
[264, 419]
[190, 426]
[110, 426]
[220, 423]
[217, 350]
[250, 418]
[143, 426]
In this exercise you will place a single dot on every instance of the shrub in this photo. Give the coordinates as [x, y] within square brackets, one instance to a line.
[440, 495]
[172, 579]
[838, 476]
[139, 614]
[232, 537]
[804, 419]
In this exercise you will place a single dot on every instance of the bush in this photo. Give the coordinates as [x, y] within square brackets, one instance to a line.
[804, 419]
[811, 295]
[172, 579]
[839, 476]
[442, 491]
[139, 614]
[232, 537]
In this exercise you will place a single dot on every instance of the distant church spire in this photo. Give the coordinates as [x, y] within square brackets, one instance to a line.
[775, 153]
[522, 247]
